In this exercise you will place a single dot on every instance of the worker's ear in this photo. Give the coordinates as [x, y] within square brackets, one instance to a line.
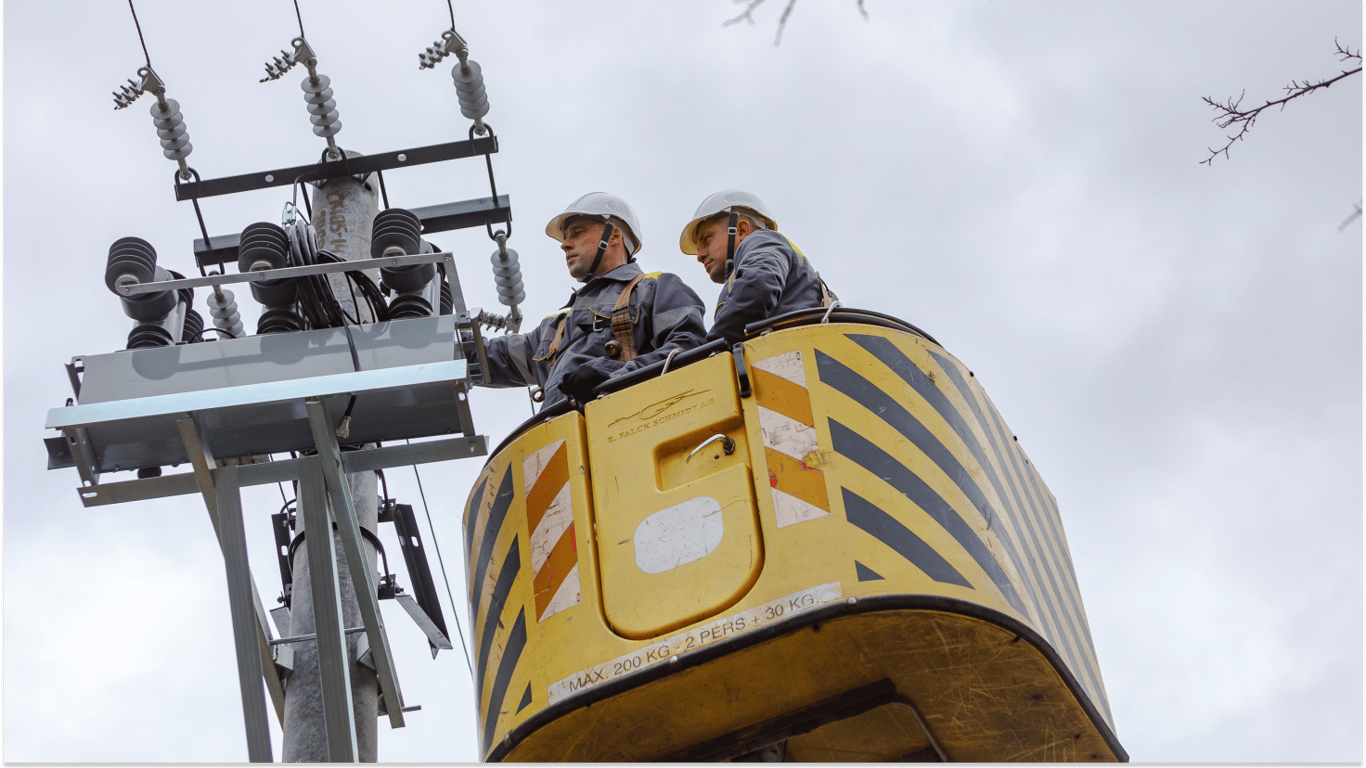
[743, 228]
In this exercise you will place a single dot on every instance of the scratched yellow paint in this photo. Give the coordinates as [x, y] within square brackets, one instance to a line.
[775, 619]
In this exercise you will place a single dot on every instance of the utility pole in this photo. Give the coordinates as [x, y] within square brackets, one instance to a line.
[223, 402]
[343, 209]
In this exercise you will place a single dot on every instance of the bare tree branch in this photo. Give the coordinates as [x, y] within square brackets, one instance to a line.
[1356, 215]
[748, 15]
[1230, 112]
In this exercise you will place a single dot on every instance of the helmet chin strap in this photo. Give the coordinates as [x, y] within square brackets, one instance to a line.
[607, 230]
[730, 241]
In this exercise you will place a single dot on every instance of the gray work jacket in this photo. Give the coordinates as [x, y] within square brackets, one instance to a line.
[665, 313]
[771, 278]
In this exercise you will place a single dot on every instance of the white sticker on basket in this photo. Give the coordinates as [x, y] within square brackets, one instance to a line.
[720, 629]
[679, 535]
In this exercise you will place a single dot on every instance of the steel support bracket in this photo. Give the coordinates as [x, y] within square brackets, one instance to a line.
[344, 512]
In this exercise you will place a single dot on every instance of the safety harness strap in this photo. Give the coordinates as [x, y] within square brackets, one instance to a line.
[622, 327]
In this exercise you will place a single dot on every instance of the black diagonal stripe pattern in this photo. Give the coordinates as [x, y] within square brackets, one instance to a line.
[901, 539]
[512, 653]
[472, 515]
[501, 502]
[899, 363]
[849, 443]
[512, 565]
[526, 698]
[1008, 494]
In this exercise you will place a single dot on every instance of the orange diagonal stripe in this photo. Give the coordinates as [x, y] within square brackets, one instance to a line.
[562, 560]
[778, 394]
[795, 478]
[552, 479]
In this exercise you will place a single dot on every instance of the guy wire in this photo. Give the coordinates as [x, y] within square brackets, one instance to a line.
[436, 544]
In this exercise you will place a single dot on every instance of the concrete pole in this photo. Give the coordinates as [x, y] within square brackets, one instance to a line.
[343, 210]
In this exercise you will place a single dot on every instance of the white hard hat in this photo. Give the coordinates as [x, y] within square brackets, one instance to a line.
[726, 201]
[604, 206]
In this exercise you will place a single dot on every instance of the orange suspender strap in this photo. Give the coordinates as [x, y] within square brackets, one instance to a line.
[554, 349]
[622, 327]
[827, 298]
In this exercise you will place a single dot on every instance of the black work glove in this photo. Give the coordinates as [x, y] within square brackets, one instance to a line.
[579, 382]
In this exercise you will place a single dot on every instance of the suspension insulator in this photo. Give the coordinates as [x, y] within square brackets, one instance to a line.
[175, 142]
[147, 335]
[398, 228]
[133, 260]
[507, 273]
[279, 320]
[469, 89]
[447, 298]
[226, 318]
[321, 106]
[409, 305]
[194, 327]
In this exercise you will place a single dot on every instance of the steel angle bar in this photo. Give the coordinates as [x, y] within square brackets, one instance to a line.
[138, 490]
[329, 455]
[445, 217]
[286, 470]
[351, 166]
[281, 273]
[415, 453]
[434, 634]
[333, 667]
[233, 538]
[203, 476]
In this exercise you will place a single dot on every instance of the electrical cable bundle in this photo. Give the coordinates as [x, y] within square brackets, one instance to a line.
[316, 301]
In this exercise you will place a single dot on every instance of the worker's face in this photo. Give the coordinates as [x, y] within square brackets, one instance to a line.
[711, 245]
[581, 239]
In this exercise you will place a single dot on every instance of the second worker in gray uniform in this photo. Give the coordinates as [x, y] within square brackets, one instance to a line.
[577, 348]
[763, 273]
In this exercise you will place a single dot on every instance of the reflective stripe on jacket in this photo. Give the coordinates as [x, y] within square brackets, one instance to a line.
[771, 277]
[665, 314]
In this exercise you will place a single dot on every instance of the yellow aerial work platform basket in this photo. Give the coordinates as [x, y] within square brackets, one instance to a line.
[825, 545]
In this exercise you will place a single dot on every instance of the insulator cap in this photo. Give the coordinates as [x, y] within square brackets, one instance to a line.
[148, 335]
[409, 305]
[396, 227]
[194, 327]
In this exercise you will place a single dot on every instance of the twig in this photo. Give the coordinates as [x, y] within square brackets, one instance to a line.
[1356, 215]
[1230, 112]
[748, 15]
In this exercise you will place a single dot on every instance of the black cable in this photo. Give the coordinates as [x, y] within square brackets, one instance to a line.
[452, 10]
[296, 13]
[148, 56]
[384, 193]
[202, 229]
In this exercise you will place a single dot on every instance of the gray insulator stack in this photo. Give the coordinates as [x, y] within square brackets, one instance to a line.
[321, 105]
[226, 318]
[507, 273]
[469, 89]
[175, 142]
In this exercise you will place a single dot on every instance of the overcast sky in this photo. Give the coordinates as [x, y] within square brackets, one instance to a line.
[1178, 347]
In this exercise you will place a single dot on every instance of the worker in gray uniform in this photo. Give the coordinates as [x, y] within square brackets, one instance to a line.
[621, 318]
[762, 273]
